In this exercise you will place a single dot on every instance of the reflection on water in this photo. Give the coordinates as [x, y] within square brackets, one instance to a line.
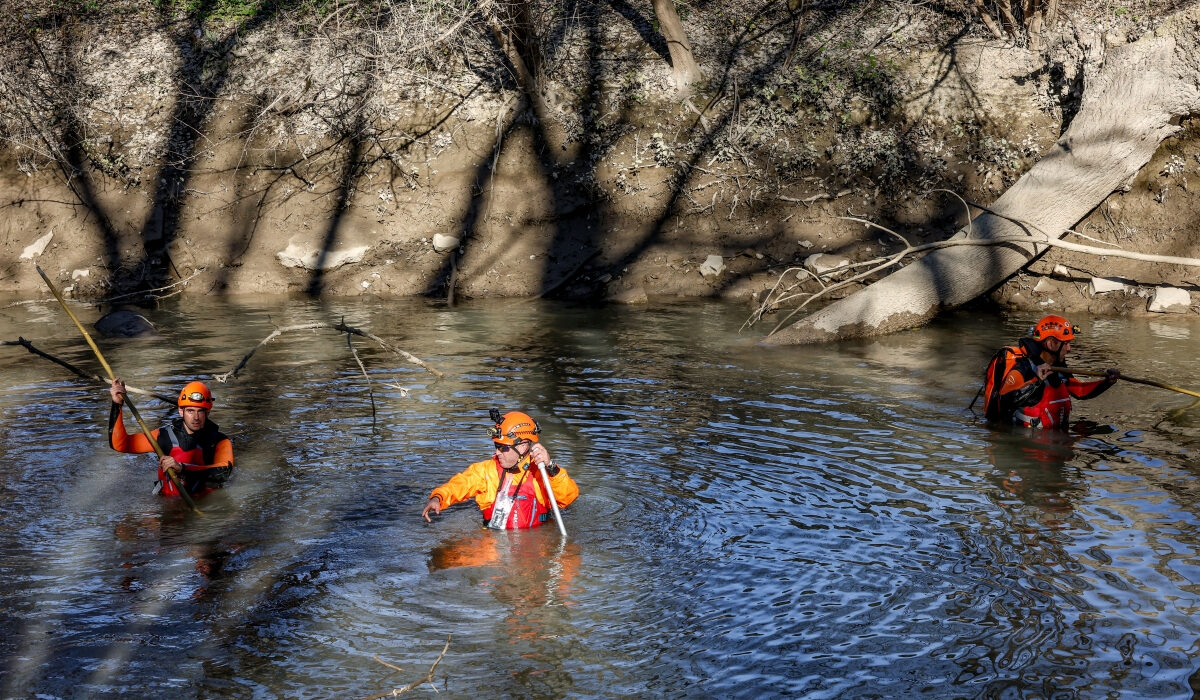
[817, 522]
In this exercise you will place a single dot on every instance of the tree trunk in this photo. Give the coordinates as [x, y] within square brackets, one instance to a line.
[987, 20]
[1129, 106]
[684, 70]
[512, 27]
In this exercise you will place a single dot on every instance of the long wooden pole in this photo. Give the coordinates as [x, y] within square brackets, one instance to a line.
[1135, 380]
[132, 409]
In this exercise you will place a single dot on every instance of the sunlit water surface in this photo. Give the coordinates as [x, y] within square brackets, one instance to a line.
[822, 522]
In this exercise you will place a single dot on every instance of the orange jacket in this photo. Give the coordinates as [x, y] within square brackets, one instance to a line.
[481, 480]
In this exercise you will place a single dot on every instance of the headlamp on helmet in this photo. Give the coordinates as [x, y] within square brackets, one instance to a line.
[196, 394]
[513, 428]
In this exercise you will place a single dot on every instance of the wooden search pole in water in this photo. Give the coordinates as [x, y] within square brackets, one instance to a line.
[132, 409]
[1135, 380]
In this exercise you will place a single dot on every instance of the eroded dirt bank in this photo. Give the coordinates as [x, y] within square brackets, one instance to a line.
[278, 156]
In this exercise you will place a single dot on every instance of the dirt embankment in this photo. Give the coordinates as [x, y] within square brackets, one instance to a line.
[183, 153]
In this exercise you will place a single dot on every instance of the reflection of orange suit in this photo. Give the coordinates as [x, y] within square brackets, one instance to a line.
[529, 570]
[482, 480]
[1031, 465]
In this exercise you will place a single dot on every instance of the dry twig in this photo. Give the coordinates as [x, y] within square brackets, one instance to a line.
[427, 678]
[233, 373]
[370, 391]
[143, 294]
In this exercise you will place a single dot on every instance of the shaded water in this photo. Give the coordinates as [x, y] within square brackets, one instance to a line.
[822, 522]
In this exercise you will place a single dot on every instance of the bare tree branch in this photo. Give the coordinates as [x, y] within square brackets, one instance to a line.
[233, 373]
[96, 379]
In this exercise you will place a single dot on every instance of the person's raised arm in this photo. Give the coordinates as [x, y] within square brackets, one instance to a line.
[118, 439]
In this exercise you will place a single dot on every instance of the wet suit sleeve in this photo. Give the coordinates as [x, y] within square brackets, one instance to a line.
[1087, 390]
[470, 482]
[564, 487]
[122, 441]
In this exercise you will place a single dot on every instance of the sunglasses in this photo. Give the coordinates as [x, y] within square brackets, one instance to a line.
[505, 448]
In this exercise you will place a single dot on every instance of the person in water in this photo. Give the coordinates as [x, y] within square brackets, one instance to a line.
[507, 487]
[1022, 389]
[199, 454]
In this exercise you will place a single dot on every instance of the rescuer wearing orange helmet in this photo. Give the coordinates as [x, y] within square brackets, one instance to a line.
[1021, 388]
[506, 486]
[193, 448]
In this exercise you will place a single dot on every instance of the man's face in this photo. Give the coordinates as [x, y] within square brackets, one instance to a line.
[1058, 347]
[509, 455]
[194, 418]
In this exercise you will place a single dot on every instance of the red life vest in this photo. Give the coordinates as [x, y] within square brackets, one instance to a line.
[1052, 411]
[169, 442]
[527, 510]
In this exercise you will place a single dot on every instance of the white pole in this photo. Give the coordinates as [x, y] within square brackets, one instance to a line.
[553, 500]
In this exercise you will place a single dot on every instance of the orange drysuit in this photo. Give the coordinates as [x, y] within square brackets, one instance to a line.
[482, 481]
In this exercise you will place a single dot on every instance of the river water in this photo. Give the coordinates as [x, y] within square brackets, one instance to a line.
[821, 522]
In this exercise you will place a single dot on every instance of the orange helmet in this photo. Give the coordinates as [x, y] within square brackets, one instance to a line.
[1055, 327]
[514, 428]
[196, 394]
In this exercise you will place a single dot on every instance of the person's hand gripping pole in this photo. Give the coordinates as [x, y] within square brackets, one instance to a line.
[539, 455]
[132, 409]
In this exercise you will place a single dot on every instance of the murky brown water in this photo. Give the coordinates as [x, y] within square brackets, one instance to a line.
[823, 522]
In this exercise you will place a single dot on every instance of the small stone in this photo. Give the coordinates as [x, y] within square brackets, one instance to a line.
[78, 274]
[443, 242]
[712, 266]
[1062, 271]
[820, 263]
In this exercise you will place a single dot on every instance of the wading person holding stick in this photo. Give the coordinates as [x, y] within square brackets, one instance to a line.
[511, 488]
[198, 454]
[1029, 384]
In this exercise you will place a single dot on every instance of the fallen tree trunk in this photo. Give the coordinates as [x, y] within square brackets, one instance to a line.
[1129, 106]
